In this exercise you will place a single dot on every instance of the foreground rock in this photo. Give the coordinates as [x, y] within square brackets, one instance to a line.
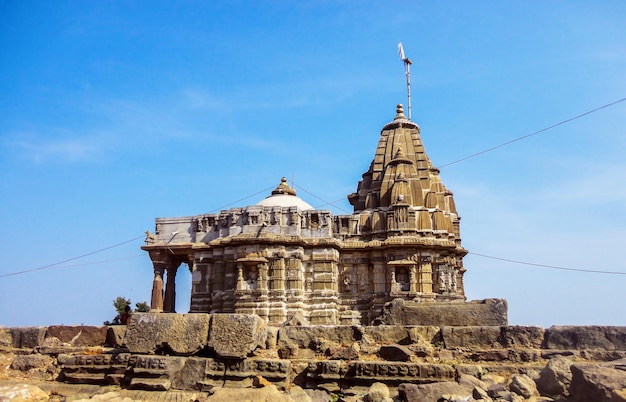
[606, 383]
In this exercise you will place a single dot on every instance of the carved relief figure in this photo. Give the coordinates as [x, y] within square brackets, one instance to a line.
[441, 282]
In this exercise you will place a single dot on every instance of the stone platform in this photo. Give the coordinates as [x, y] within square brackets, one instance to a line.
[191, 355]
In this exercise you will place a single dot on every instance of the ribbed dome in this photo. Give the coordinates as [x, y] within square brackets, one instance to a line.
[284, 196]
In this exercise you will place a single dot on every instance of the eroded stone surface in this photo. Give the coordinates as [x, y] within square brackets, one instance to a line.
[28, 337]
[23, 392]
[555, 378]
[431, 392]
[585, 337]
[181, 334]
[592, 382]
[78, 335]
[489, 312]
[236, 335]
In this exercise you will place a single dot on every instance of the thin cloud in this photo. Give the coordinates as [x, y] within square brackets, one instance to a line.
[40, 151]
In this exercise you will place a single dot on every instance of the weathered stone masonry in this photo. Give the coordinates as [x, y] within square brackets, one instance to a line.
[281, 257]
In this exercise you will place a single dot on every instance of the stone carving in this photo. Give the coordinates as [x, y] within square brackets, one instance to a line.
[94, 369]
[382, 371]
[150, 238]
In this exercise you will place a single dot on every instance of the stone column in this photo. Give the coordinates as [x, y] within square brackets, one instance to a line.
[169, 305]
[262, 278]
[156, 303]
[412, 279]
[426, 275]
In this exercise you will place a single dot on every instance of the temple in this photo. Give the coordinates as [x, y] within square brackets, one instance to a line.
[281, 257]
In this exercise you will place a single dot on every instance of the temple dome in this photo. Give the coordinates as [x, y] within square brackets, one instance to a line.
[284, 196]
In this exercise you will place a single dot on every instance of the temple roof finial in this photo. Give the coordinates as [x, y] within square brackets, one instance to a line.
[400, 112]
[283, 188]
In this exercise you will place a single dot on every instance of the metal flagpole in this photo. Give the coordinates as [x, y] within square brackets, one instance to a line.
[407, 71]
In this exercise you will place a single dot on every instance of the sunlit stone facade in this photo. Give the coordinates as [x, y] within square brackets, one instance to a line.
[281, 257]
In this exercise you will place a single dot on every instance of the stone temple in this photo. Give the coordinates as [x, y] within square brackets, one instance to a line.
[282, 258]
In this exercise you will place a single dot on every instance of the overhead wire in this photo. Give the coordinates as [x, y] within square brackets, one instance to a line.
[533, 133]
[548, 266]
[70, 259]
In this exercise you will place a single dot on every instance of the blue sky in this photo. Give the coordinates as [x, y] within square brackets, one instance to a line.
[113, 113]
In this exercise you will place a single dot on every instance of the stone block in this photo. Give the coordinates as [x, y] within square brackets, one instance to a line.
[78, 335]
[154, 373]
[236, 335]
[97, 369]
[303, 337]
[191, 375]
[425, 333]
[585, 337]
[489, 312]
[178, 334]
[470, 337]
[28, 337]
[521, 337]
[379, 371]
[388, 334]
[29, 362]
[242, 373]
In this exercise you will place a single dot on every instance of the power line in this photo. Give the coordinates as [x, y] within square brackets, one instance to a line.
[533, 133]
[70, 259]
[549, 266]
[321, 199]
[242, 199]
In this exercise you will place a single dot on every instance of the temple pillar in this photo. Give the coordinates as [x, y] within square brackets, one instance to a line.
[156, 302]
[412, 280]
[169, 304]
[426, 275]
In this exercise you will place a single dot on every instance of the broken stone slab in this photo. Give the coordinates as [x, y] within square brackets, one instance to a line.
[488, 312]
[237, 335]
[78, 335]
[585, 337]
[178, 334]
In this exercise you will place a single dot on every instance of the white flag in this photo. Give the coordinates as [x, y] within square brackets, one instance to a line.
[401, 51]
